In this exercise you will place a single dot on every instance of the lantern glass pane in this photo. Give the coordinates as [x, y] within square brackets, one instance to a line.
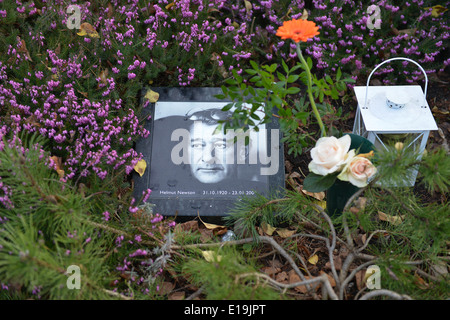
[400, 140]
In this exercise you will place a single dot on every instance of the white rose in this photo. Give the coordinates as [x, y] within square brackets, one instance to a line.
[329, 154]
[357, 171]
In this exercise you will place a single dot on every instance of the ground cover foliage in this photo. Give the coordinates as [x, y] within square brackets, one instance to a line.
[69, 118]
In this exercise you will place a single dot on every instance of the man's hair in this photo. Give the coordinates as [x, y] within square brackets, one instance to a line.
[209, 116]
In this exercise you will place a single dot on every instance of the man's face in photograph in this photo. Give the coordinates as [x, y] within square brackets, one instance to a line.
[208, 153]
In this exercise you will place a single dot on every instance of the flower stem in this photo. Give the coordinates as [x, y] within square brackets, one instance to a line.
[310, 94]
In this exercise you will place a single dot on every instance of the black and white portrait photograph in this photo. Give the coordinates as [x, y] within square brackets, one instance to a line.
[192, 159]
[200, 159]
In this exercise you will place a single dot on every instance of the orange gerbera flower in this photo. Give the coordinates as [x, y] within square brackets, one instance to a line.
[298, 30]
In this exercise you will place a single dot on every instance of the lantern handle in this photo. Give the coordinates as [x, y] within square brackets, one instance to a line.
[389, 60]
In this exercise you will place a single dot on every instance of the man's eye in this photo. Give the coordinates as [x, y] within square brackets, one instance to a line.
[220, 145]
[197, 145]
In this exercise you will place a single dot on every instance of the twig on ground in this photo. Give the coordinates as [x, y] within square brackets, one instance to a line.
[195, 294]
[369, 238]
[332, 246]
[322, 278]
[384, 292]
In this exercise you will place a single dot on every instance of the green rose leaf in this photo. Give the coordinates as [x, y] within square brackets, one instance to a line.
[317, 183]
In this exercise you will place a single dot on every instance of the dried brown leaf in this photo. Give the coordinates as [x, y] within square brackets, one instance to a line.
[293, 277]
[58, 165]
[191, 226]
[179, 295]
[330, 278]
[87, 29]
[337, 263]
[270, 271]
[267, 228]
[211, 226]
[394, 220]
[110, 12]
[165, 288]
[282, 277]
[104, 76]
[285, 232]
[316, 195]
[359, 277]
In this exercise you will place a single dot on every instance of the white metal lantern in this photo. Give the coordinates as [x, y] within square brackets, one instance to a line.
[387, 113]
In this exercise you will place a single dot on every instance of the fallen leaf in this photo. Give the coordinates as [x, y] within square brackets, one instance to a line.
[408, 32]
[211, 256]
[33, 121]
[437, 10]
[274, 262]
[110, 12]
[270, 271]
[322, 204]
[58, 165]
[361, 203]
[165, 288]
[293, 277]
[285, 233]
[170, 5]
[337, 263]
[248, 6]
[152, 96]
[210, 226]
[140, 167]
[304, 15]
[313, 259]
[104, 76]
[360, 279]
[179, 295]
[267, 228]
[282, 277]
[440, 113]
[58, 49]
[88, 29]
[354, 210]
[316, 195]
[394, 220]
[206, 234]
[330, 278]
[23, 49]
[191, 226]
[84, 94]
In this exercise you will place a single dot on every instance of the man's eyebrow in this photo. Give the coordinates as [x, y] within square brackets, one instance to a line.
[219, 139]
[197, 139]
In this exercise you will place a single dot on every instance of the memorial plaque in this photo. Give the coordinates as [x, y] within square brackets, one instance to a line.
[194, 167]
